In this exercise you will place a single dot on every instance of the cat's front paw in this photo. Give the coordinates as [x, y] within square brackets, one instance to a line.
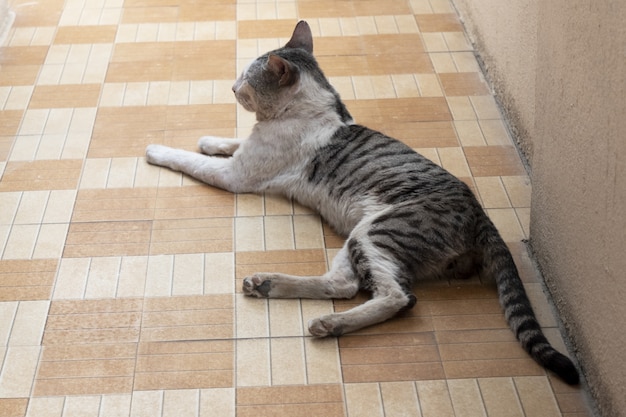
[325, 326]
[157, 154]
[257, 286]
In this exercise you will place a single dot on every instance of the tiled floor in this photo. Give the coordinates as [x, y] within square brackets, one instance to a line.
[120, 282]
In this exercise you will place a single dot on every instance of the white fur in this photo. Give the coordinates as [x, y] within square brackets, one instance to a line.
[275, 158]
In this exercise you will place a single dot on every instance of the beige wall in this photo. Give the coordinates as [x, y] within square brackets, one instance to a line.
[567, 97]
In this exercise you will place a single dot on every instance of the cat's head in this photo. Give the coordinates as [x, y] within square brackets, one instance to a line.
[275, 81]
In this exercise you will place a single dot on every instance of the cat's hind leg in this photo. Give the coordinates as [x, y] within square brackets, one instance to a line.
[213, 145]
[390, 287]
[339, 282]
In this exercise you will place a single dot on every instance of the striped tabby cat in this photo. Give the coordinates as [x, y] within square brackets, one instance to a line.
[404, 216]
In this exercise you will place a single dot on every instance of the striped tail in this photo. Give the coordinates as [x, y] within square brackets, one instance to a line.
[498, 263]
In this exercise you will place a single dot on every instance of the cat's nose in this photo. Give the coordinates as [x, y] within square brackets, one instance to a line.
[234, 88]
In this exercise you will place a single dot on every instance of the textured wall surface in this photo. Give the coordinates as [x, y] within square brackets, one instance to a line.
[567, 99]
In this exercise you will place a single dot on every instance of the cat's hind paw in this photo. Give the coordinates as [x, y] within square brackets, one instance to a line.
[256, 286]
[210, 145]
[324, 326]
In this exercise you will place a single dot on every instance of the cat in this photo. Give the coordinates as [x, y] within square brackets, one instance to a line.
[403, 216]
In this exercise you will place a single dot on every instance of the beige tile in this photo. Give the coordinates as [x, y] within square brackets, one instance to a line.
[252, 317]
[453, 159]
[71, 278]
[322, 361]
[102, 279]
[495, 133]
[180, 402]
[434, 398]
[492, 192]
[219, 273]
[18, 372]
[188, 277]
[500, 397]
[217, 401]
[146, 403]
[465, 395]
[45, 407]
[29, 323]
[253, 363]
[249, 234]
[279, 232]
[288, 365]
[363, 400]
[21, 242]
[115, 405]
[50, 241]
[536, 396]
[400, 399]
[81, 405]
[507, 223]
[8, 310]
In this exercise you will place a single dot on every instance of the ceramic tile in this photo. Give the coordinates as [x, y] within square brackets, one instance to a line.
[363, 400]
[434, 399]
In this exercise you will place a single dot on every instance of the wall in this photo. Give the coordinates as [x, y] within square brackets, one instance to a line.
[572, 117]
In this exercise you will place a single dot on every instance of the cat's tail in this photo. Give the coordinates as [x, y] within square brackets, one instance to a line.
[498, 263]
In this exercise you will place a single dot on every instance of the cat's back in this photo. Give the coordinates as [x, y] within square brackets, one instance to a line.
[358, 161]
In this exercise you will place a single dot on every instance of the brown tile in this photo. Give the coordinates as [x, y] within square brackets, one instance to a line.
[465, 307]
[41, 175]
[189, 364]
[22, 280]
[328, 8]
[481, 351]
[425, 134]
[331, 239]
[191, 11]
[183, 380]
[491, 368]
[59, 96]
[375, 45]
[108, 239]
[297, 401]
[93, 321]
[194, 202]
[10, 122]
[13, 407]
[489, 161]
[100, 368]
[154, 14]
[192, 236]
[475, 336]
[463, 84]
[467, 322]
[95, 306]
[194, 302]
[19, 74]
[23, 55]
[387, 114]
[32, 14]
[393, 372]
[134, 62]
[254, 29]
[389, 357]
[85, 34]
[572, 403]
[296, 262]
[59, 353]
[82, 386]
[116, 204]
[439, 22]
[120, 132]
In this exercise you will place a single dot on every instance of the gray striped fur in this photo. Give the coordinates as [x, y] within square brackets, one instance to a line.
[404, 217]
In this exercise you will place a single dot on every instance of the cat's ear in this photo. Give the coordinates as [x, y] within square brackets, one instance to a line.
[286, 73]
[301, 37]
